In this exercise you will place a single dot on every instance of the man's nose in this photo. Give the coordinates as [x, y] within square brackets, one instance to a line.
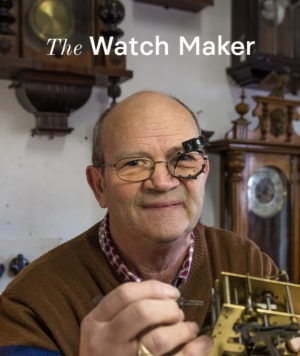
[161, 179]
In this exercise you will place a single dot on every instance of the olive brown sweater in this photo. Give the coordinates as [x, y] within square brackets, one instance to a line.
[41, 310]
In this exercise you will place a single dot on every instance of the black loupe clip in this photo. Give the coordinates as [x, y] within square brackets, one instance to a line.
[194, 145]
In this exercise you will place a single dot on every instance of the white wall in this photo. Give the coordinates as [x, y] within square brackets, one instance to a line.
[43, 192]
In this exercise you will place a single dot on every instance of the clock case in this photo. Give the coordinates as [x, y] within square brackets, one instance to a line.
[243, 152]
[277, 45]
[52, 87]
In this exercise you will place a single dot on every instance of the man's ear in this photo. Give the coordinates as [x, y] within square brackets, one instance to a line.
[96, 182]
[206, 170]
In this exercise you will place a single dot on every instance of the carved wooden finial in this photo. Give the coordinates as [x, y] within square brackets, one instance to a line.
[242, 108]
[6, 20]
[112, 13]
[240, 125]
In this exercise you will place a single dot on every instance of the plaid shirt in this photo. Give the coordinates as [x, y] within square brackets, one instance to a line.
[110, 251]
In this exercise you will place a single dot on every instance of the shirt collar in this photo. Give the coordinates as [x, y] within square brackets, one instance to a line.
[109, 249]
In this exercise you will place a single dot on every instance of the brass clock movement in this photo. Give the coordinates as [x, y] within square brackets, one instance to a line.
[52, 86]
[260, 180]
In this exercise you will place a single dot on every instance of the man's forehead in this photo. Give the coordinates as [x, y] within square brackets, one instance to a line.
[143, 107]
[146, 122]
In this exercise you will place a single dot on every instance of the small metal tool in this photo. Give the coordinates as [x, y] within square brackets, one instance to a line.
[96, 300]
[182, 302]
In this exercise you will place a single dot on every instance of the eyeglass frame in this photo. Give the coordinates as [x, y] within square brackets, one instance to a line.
[194, 176]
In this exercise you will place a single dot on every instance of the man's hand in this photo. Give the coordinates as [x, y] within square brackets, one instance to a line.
[144, 312]
[294, 344]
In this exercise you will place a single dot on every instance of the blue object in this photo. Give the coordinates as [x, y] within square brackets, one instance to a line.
[2, 269]
[26, 351]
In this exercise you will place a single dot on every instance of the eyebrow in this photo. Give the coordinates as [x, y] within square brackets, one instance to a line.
[137, 154]
[174, 150]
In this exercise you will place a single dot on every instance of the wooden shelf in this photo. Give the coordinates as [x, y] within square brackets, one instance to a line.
[188, 5]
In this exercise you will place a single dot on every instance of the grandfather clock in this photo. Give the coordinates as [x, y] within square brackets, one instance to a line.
[260, 180]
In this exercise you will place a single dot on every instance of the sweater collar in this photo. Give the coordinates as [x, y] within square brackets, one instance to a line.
[109, 249]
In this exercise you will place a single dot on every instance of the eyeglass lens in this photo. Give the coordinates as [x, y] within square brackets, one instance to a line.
[138, 169]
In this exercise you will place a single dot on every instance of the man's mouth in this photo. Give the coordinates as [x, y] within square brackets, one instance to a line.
[163, 205]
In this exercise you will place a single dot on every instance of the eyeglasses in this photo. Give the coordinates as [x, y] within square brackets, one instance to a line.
[138, 169]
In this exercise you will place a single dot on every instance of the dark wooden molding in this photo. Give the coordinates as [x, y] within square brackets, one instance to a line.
[235, 165]
[51, 103]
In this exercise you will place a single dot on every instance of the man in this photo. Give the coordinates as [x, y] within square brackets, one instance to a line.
[154, 193]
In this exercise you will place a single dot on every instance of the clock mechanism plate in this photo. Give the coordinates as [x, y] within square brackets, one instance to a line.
[267, 191]
[51, 19]
[56, 19]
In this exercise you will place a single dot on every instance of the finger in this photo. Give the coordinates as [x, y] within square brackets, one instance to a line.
[294, 344]
[144, 314]
[166, 338]
[127, 293]
[198, 347]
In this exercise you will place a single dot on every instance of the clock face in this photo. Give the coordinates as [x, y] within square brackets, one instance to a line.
[267, 191]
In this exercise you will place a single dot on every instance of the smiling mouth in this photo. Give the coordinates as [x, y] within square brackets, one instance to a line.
[163, 205]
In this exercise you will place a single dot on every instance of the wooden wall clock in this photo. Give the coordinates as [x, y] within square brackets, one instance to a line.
[274, 26]
[51, 86]
[260, 180]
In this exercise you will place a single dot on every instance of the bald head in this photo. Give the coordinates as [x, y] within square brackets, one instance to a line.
[150, 111]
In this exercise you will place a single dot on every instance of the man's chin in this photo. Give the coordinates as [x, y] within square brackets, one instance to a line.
[165, 229]
[164, 218]
[166, 235]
